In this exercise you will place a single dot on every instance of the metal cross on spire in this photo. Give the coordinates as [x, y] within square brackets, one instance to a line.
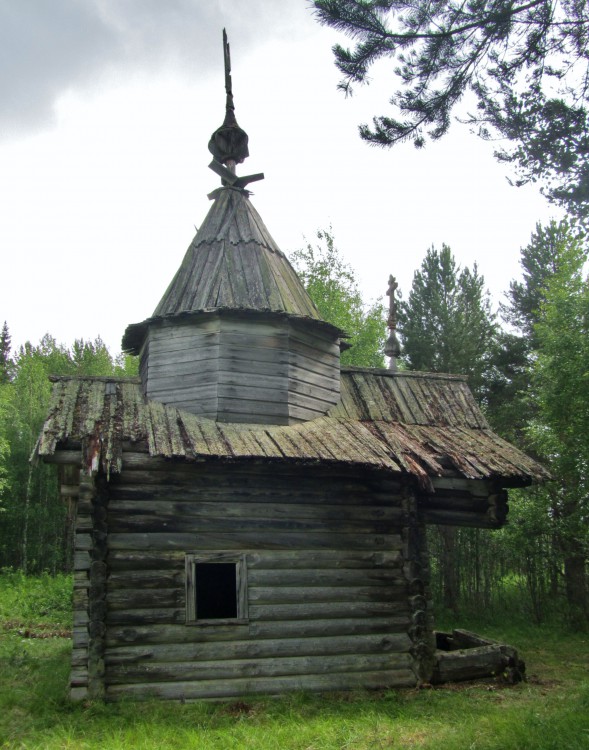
[392, 347]
[229, 143]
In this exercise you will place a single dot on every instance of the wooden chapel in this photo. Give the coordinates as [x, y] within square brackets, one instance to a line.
[251, 515]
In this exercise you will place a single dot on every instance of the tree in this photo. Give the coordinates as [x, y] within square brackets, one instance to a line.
[526, 63]
[561, 377]
[5, 363]
[34, 527]
[447, 325]
[331, 283]
[511, 399]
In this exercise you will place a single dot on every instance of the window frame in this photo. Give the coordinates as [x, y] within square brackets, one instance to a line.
[193, 559]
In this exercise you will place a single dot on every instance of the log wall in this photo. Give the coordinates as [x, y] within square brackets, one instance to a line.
[329, 600]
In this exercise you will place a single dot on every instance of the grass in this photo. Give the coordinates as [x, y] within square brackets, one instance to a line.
[549, 712]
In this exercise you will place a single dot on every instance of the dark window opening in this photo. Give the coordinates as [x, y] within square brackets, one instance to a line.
[216, 591]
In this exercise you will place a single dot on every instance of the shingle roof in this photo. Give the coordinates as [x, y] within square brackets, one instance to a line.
[422, 424]
[232, 264]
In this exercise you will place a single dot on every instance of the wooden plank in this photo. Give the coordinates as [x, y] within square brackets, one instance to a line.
[269, 685]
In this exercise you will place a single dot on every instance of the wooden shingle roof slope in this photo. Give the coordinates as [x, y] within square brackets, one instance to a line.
[232, 264]
[422, 424]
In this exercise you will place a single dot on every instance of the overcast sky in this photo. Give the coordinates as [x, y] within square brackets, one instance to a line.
[106, 109]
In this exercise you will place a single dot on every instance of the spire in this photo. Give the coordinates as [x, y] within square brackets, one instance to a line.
[228, 143]
[392, 347]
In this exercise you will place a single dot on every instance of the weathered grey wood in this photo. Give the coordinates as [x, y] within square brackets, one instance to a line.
[470, 664]
[326, 593]
[322, 610]
[78, 693]
[241, 541]
[256, 668]
[197, 367]
[259, 648]
[62, 457]
[168, 509]
[172, 524]
[268, 685]
[279, 560]
[140, 634]
[130, 617]
[460, 518]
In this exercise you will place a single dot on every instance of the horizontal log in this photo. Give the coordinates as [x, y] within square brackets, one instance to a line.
[326, 577]
[270, 685]
[271, 560]
[146, 598]
[131, 617]
[82, 560]
[255, 475]
[470, 664]
[80, 636]
[260, 648]
[462, 502]
[79, 657]
[80, 618]
[62, 457]
[459, 518]
[140, 635]
[166, 508]
[257, 667]
[301, 594]
[245, 540]
[326, 610]
[307, 577]
[476, 487]
[147, 579]
[79, 676]
[127, 489]
[173, 523]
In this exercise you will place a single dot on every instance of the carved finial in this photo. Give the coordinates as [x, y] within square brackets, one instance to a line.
[392, 347]
[228, 143]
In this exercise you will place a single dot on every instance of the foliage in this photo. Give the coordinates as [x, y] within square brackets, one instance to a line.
[446, 323]
[561, 379]
[5, 363]
[35, 520]
[332, 285]
[548, 712]
[35, 601]
[525, 63]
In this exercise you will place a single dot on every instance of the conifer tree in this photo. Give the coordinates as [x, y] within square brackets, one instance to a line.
[5, 362]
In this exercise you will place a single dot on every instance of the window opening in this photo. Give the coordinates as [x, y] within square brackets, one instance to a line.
[216, 588]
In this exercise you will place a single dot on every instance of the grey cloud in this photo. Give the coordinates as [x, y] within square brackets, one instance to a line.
[50, 46]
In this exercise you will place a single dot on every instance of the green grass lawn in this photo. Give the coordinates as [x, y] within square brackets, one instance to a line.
[550, 711]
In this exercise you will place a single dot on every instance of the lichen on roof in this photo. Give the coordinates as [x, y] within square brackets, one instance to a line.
[422, 425]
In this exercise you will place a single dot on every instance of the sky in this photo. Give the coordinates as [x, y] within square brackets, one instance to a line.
[106, 109]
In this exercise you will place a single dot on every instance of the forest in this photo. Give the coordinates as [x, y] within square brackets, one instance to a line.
[527, 364]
